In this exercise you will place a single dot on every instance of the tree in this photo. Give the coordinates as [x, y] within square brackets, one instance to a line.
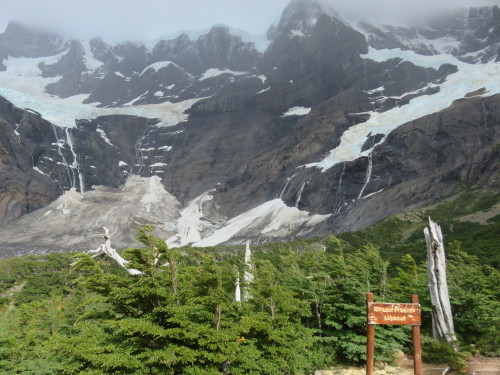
[442, 319]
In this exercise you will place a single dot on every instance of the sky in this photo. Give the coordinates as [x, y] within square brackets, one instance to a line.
[148, 19]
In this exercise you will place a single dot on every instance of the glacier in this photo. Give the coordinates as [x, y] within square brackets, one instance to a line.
[467, 79]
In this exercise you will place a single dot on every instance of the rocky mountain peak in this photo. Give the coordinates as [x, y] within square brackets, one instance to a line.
[20, 40]
[102, 51]
[484, 22]
[15, 28]
[219, 49]
[300, 17]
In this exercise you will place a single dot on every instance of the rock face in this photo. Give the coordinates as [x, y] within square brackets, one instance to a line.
[331, 128]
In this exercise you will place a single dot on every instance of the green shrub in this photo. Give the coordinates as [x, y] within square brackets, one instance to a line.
[441, 351]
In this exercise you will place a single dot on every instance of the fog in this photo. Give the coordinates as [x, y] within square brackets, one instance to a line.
[148, 19]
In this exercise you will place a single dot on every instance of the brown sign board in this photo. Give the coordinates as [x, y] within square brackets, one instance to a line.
[394, 313]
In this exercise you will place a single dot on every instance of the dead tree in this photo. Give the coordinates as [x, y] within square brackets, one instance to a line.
[442, 320]
[106, 249]
[237, 291]
[248, 274]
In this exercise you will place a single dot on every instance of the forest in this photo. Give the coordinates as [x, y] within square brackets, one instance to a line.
[69, 313]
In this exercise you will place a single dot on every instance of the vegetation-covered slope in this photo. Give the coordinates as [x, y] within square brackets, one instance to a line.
[72, 314]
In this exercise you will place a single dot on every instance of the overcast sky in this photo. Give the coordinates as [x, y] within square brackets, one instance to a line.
[148, 19]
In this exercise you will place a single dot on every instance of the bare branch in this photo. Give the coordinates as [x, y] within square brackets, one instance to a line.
[106, 249]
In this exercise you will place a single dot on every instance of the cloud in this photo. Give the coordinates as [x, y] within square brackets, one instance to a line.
[147, 19]
[401, 9]
[140, 19]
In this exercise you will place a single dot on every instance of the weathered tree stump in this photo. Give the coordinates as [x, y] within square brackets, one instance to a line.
[442, 320]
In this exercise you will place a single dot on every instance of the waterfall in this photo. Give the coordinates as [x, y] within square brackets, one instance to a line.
[485, 111]
[368, 175]
[139, 156]
[299, 194]
[60, 144]
[75, 165]
[286, 185]
[338, 203]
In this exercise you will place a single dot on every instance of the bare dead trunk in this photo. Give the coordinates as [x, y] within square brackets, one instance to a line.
[218, 317]
[237, 291]
[106, 249]
[442, 320]
[272, 308]
[247, 275]
[318, 313]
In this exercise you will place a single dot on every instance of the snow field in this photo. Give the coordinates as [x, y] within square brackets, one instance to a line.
[22, 84]
[271, 219]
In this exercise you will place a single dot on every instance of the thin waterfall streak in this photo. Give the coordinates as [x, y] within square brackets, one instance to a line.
[485, 112]
[19, 136]
[75, 164]
[368, 175]
[139, 155]
[338, 203]
[59, 151]
[284, 188]
[341, 176]
[337, 209]
[299, 194]
[286, 185]
[15, 122]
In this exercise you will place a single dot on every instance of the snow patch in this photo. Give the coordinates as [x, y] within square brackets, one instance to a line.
[264, 90]
[263, 78]
[297, 111]
[136, 99]
[39, 171]
[298, 33]
[190, 224]
[103, 135]
[90, 61]
[157, 66]
[214, 72]
[376, 90]
[434, 61]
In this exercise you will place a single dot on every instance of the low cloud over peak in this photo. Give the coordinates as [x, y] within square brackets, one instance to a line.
[147, 19]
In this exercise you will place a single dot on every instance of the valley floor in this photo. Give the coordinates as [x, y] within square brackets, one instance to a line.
[476, 366]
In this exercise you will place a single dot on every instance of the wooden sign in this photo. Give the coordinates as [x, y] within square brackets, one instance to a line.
[394, 313]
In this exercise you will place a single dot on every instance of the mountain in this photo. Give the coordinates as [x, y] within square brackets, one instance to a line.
[331, 128]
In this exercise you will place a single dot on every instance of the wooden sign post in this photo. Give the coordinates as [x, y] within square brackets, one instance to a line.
[393, 313]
